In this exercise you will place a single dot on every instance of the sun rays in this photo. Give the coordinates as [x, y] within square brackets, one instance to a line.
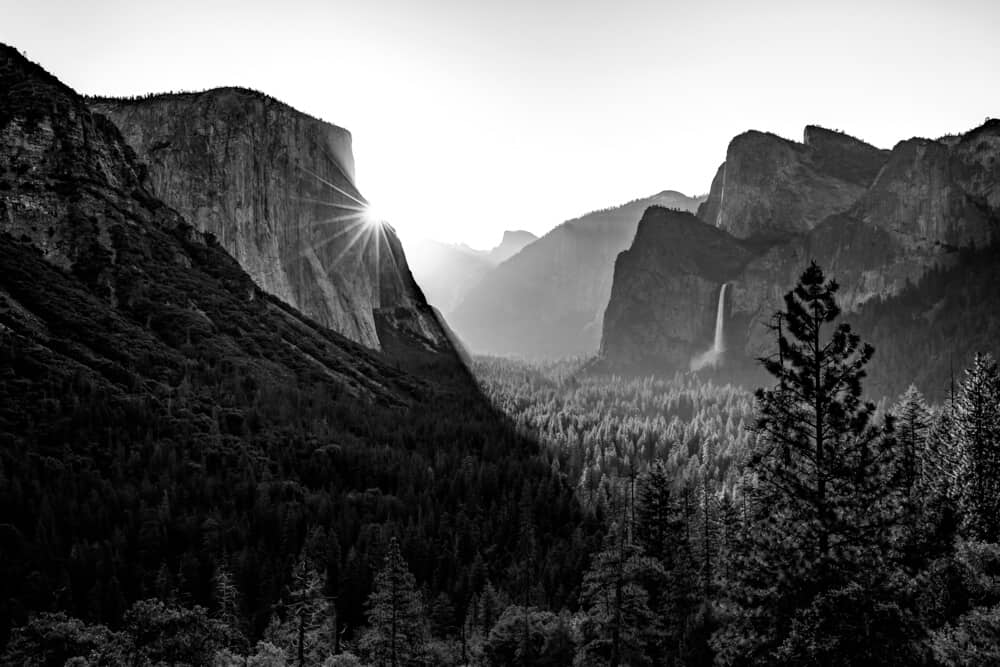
[361, 224]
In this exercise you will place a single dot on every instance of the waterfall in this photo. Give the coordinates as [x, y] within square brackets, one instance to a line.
[720, 315]
[713, 355]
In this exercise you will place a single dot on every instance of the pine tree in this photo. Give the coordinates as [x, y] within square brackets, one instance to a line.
[912, 430]
[938, 484]
[227, 602]
[939, 461]
[527, 546]
[662, 533]
[619, 629]
[398, 629]
[822, 511]
[978, 435]
[492, 605]
[907, 476]
[305, 631]
[821, 451]
[660, 526]
[708, 537]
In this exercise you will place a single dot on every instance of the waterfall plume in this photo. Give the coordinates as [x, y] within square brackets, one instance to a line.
[713, 355]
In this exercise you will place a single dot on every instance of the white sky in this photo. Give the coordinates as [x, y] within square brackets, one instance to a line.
[471, 117]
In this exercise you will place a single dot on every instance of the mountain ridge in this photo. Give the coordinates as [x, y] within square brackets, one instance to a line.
[547, 301]
[924, 200]
[770, 186]
[163, 418]
[276, 187]
[447, 271]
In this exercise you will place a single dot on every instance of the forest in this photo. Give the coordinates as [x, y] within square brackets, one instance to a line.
[116, 492]
[799, 524]
[928, 332]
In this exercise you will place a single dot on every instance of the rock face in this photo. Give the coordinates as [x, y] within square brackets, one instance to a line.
[874, 220]
[511, 244]
[138, 360]
[548, 300]
[770, 187]
[666, 289]
[276, 188]
[98, 277]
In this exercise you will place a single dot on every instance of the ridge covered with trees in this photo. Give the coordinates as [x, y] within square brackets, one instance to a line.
[182, 453]
[824, 531]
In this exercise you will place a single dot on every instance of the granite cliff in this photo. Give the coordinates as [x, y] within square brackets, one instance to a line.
[770, 187]
[666, 289]
[141, 368]
[276, 188]
[876, 220]
[548, 300]
[99, 278]
[513, 242]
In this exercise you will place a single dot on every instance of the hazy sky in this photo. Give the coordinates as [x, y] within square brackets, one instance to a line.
[471, 117]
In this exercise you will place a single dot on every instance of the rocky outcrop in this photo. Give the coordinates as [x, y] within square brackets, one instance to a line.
[276, 188]
[875, 221]
[931, 193]
[103, 283]
[548, 300]
[666, 289]
[770, 187]
[511, 244]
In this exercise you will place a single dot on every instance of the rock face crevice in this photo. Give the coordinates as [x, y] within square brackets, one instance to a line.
[276, 188]
[875, 220]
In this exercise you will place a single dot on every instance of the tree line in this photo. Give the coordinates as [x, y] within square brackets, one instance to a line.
[835, 532]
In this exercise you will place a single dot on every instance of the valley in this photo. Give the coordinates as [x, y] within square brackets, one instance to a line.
[167, 422]
[243, 421]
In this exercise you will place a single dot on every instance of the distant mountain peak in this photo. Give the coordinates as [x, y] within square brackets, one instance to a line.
[548, 300]
[671, 193]
[511, 244]
[515, 235]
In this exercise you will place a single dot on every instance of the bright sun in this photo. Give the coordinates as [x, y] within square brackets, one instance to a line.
[374, 215]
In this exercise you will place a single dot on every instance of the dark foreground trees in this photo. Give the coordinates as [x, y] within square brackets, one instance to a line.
[397, 621]
[829, 533]
[811, 585]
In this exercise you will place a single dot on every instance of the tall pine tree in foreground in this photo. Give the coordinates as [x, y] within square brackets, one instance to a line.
[978, 450]
[811, 585]
[398, 628]
[913, 536]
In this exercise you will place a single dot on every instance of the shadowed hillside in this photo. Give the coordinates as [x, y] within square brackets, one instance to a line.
[164, 420]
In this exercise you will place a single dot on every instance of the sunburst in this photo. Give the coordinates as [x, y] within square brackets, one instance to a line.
[358, 220]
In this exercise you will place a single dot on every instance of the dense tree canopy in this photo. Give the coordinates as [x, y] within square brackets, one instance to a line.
[800, 526]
